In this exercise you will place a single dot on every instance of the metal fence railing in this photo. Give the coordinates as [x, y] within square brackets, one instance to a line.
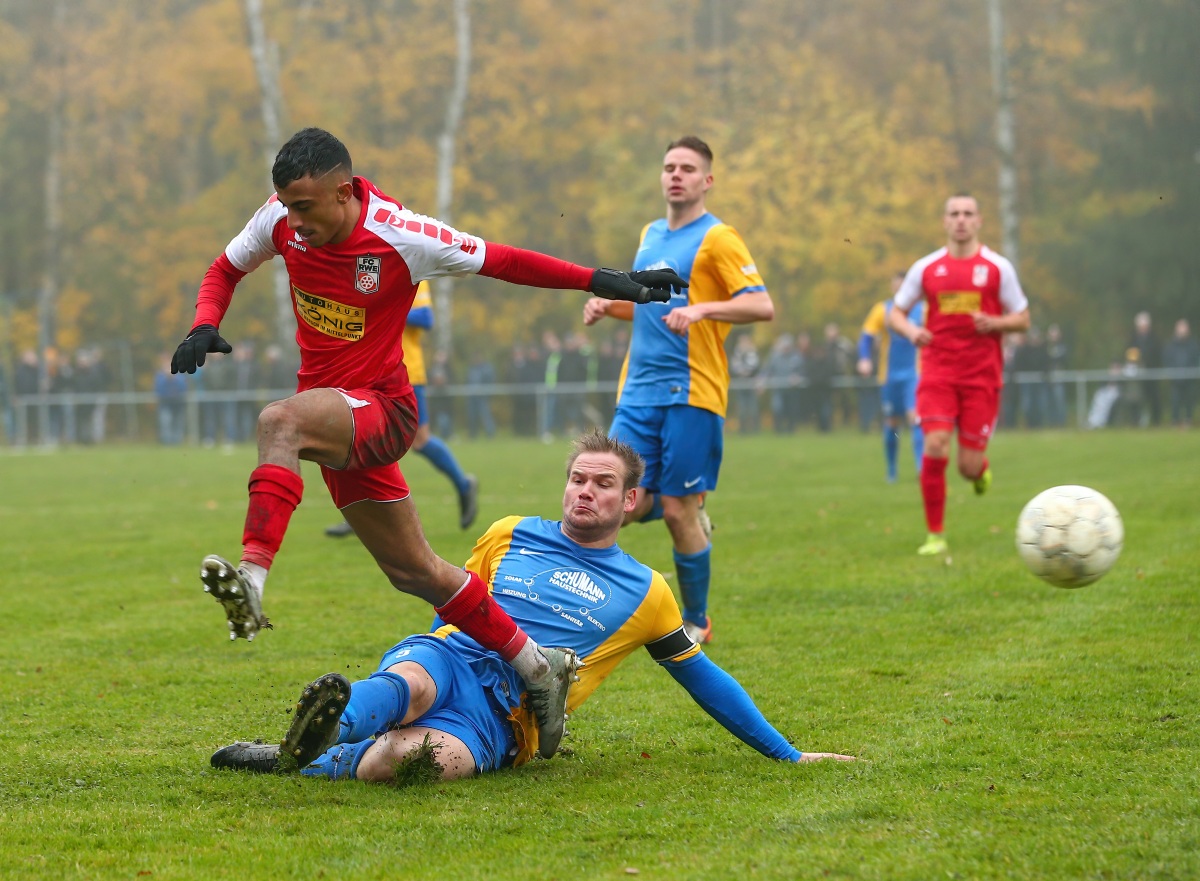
[1080, 398]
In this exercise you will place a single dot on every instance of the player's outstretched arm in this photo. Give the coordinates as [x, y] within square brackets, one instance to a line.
[645, 286]
[720, 695]
[519, 266]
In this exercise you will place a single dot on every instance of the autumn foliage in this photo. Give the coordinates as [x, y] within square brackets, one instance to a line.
[839, 127]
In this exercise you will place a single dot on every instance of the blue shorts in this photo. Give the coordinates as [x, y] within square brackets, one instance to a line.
[899, 396]
[468, 709]
[682, 446]
[422, 405]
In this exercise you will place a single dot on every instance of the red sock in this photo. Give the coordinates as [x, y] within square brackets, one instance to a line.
[982, 469]
[275, 492]
[933, 491]
[473, 611]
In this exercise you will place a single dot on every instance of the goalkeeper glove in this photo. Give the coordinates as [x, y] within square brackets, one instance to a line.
[646, 286]
[196, 347]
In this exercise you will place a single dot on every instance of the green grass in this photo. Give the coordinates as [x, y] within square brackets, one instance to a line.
[1006, 729]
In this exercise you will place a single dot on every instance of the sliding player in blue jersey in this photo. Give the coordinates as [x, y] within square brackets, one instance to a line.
[675, 382]
[897, 378]
[425, 442]
[442, 699]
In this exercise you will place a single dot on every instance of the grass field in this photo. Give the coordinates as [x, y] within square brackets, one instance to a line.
[1005, 729]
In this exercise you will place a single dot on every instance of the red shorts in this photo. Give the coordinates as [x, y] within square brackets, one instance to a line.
[942, 406]
[384, 425]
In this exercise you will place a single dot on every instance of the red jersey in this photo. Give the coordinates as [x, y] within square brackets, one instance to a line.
[352, 298]
[954, 289]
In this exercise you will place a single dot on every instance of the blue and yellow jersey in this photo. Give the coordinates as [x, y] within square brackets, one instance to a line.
[420, 319]
[599, 601]
[661, 367]
[897, 356]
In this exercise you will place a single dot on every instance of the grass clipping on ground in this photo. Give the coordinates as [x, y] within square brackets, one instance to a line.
[419, 767]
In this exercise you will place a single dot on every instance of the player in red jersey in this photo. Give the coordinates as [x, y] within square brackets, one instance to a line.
[973, 298]
[354, 258]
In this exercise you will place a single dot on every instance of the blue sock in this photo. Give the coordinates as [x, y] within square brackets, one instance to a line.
[693, 572]
[338, 762]
[436, 451]
[918, 441]
[655, 512]
[891, 448]
[376, 704]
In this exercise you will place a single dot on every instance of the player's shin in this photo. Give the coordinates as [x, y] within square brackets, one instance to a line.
[439, 455]
[891, 449]
[694, 572]
[473, 611]
[933, 492]
[377, 704]
[275, 492]
[656, 510]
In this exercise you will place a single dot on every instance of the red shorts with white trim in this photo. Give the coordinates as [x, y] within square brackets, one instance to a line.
[972, 409]
[384, 426]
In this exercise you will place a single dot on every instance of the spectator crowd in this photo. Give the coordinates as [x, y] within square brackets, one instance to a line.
[562, 383]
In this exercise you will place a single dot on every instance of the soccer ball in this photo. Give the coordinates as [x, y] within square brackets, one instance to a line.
[1070, 535]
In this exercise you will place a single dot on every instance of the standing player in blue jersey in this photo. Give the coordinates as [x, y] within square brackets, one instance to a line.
[897, 378]
[675, 382]
[433, 448]
[441, 699]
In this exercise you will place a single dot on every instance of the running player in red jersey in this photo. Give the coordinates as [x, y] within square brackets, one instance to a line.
[354, 258]
[973, 298]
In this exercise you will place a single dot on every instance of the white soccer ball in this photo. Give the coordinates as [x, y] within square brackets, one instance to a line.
[1070, 535]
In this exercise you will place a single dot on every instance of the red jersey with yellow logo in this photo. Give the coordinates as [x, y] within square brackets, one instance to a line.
[954, 290]
[352, 298]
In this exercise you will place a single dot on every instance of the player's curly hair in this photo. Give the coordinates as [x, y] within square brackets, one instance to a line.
[595, 441]
[310, 152]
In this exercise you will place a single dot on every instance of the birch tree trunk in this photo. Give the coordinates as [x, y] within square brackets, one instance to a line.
[266, 67]
[443, 288]
[1005, 134]
[52, 229]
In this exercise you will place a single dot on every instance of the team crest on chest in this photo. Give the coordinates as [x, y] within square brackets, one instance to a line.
[979, 274]
[366, 274]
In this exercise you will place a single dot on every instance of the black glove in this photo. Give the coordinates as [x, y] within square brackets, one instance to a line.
[646, 286]
[195, 348]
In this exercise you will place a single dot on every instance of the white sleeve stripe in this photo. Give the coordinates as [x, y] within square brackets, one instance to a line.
[254, 245]
[1012, 297]
[430, 248]
[912, 289]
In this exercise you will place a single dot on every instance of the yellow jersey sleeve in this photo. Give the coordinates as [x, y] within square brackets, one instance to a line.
[414, 353]
[491, 548]
[876, 321]
[722, 270]
[876, 326]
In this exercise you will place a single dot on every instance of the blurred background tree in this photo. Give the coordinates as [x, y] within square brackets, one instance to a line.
[839, 129]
